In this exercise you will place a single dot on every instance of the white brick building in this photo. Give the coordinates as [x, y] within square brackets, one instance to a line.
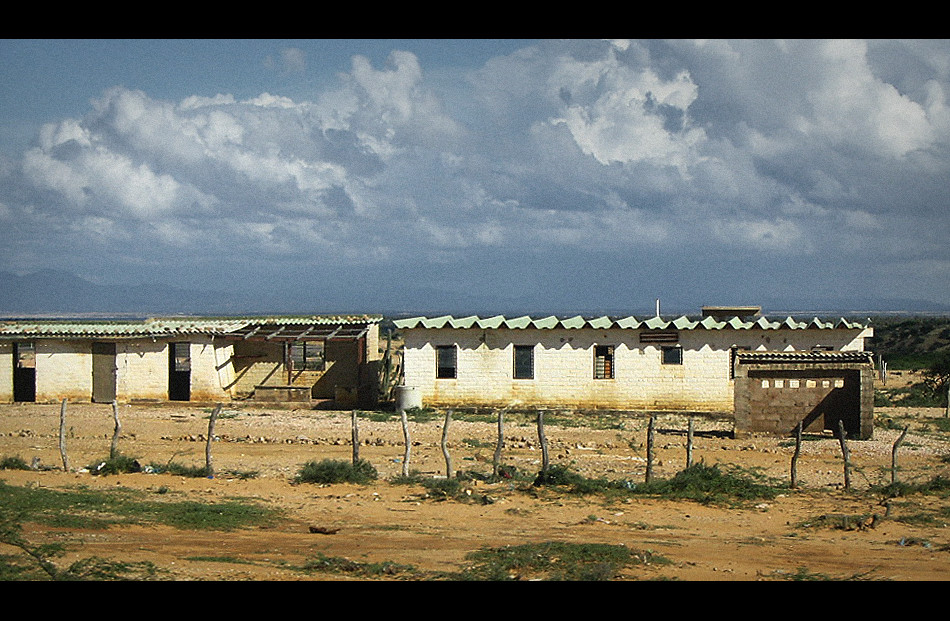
[189, 359]
[599, 363]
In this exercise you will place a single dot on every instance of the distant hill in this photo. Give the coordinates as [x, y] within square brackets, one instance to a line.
[57, 293]
[61, 293]
[908, 342]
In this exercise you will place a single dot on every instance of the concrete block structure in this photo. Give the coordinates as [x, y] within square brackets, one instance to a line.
[191, 359]
[628, 364]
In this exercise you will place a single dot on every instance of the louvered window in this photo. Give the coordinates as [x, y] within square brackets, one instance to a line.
[445, 362]
[604, 362]
[524, 362]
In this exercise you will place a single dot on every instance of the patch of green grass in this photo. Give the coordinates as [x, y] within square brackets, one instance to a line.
[330, 471]
[97, 509]
[421, 415]
[180, 470]
[938, 485]
[701, 483]
[709, 484]
[554, 560]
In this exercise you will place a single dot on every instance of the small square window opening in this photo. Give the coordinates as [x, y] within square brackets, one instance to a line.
[672, 355]
[603, 362]
[445, 362]
[524, 362]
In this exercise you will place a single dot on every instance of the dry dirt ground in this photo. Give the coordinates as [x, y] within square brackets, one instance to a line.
[792, 535]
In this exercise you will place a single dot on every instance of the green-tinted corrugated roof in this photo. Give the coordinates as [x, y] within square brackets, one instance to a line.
[165, 327]
[627, 323]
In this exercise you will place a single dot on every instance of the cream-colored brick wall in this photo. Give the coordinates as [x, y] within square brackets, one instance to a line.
[64, 370]
[564, 367]
[6, 372]
[141, 370]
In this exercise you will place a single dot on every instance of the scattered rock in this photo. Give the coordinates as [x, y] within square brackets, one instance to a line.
[323, 530]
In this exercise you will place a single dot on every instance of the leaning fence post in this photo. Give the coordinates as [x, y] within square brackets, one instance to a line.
[114, 449]
[544, 443]
[689, 443]
[843, 439]
[650, 434]
[795, 455]
[355, 435]
[62, 436]
[209, 467]
[445, 447]
[405, 435]
[499, 444]
[897, 444]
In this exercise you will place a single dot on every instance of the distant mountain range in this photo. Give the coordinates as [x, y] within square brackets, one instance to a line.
[55, 293]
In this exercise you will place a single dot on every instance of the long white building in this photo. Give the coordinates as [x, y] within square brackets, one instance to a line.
[626, 363]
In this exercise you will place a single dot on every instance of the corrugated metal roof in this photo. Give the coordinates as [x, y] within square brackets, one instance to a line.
[165, 327]
[627, 323]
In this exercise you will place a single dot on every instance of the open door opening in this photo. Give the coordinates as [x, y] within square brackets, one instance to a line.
[103, 372]
[24, 372]
[179, 372]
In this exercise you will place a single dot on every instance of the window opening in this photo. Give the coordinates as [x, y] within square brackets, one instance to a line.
[672, 355]
[445, 362]
[603, 362]
[307, 356]
[524, 362]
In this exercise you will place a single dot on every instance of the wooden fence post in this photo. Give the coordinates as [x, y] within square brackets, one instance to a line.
[843, 439]
[114, 448]
[209, 465]
[355, 436]
[544, 443]
[689, 443]
[445, 447]
[499, 443]
[62, 436]
[650, 435]
[405, 435]
[897, 444]
[795, 455]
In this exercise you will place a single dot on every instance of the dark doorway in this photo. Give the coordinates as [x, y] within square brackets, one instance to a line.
[24, 372]
[179, 372]
[103, 372]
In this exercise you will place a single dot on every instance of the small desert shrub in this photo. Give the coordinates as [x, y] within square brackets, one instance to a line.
[709, 484]
[340, 565]
[13, 463]
[331, 471]
[181, 470]
[119, 464]
[554, 560]
[938, 485]
[443, 488]
[557, 475]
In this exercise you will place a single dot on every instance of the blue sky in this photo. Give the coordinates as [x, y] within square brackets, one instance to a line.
[483, 175]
